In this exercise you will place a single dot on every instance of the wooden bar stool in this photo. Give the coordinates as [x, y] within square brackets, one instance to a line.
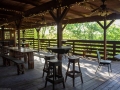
[56, 76]
[73, 73]
[47, 57]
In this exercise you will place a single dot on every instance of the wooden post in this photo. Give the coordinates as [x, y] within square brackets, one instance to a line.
[58, 19]
[105, 42]
[18, 25]
[59, 28]
[105, 28]
[59, 36]
[23, 32]
[2, 37]
[38, 36]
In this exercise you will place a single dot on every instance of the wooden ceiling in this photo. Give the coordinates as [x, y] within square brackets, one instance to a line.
[35, 13]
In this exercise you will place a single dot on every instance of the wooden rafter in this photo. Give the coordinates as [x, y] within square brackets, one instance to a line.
[34, 3]
[65, 11]
[53, 15]
[92, 19]
[49, 6]
[9, 13]
[100, 24]
[110, 24]
[32, 11]
[11, 7]
[76, 13]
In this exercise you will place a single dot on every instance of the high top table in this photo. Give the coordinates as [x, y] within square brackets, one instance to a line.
[60, 50]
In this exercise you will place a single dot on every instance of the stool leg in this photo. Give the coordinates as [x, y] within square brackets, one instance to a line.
[55, 72]
[45, 83]
[63, 84]
[54, 77]
[73, 74]
[62, 75]
[67, 71]
[110, 68]
[80, 72]
[44, 68]
[79, 67]
[48, 73]
[22, 67]
[43, 74]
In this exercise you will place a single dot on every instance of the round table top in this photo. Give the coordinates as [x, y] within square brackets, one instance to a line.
[60, 50]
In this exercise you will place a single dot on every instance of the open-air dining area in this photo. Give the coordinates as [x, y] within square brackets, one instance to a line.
[59, 45]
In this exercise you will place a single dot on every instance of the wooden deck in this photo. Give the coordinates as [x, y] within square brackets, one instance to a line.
[32, 79]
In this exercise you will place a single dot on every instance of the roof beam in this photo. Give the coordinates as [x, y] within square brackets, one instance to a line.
[65, 11]
[32, 2]
[11, 7]
[49, 6]
[92, 19]
[76, 13]
[8, 13]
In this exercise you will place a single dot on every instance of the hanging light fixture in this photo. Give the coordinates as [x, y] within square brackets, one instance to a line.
[102, 10]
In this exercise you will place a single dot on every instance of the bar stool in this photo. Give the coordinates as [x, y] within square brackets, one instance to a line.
[56, 76]
[73, 73]
[47, 57]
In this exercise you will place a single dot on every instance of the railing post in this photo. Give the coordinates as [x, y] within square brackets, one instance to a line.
[114, 49]
[33, 43]
[49, 42]
[73, 46]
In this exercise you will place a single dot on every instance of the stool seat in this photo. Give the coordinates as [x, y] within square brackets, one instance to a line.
[49, 56]
[47, 59]
[73, 73]
[56, 76]
[73, 59]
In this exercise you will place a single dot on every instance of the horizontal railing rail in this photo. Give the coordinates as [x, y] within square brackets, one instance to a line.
[80, 47]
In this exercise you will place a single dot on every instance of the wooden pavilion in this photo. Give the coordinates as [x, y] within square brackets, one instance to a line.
[16, 15]
[22, 14]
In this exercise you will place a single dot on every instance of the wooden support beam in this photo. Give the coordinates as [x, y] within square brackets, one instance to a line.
[2, 29]
[18, 23]
[11, 7]
[105, 41]
[49, 6]
[59, 27]
[92, 19]
[110, 24]
[61, 16]
[34, 3]
[53, 15]
[38, 36]
[23, 32]
[58, 19]
[100, 24]
[65, 11]
[64, 26]
[105, 26]
[76, 12]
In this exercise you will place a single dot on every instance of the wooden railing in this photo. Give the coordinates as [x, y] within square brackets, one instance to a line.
[80, 47]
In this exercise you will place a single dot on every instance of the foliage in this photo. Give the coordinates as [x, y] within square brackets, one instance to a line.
[82, 31]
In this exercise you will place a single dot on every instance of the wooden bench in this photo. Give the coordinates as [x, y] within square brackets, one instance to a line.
[8, 59]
